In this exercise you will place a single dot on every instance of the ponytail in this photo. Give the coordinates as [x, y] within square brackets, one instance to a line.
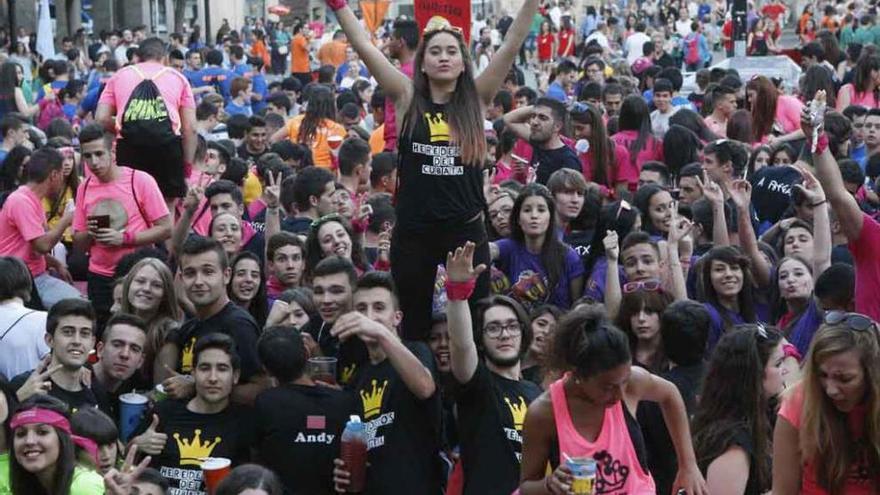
[587, 343]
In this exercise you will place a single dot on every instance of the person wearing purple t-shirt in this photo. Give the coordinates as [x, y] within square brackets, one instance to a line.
[541, 269]
[622, 218]
[727, 286]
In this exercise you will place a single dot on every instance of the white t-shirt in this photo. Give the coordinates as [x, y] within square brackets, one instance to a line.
[600, 38]
[23, 345]
[660, 122]
[634, 45]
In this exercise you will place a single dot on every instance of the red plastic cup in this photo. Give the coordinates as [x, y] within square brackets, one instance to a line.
[334, 142]
[214, 470]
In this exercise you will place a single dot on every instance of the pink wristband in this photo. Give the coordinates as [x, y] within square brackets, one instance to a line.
[336, 4]
[821, 143]
[460, 291]
[127, 238]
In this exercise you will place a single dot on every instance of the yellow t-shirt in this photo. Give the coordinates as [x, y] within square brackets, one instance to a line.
[319, 146]
[252, 187]
[86, 482]
[52, 220]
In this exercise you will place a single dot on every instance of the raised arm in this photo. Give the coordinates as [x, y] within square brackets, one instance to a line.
[741, 194]
[492, 78]
[517, 121]
[845, 206]
[712, 191]
[393, 82]
[821, 223]
[613, 294]
[679, 230]
[462, 348]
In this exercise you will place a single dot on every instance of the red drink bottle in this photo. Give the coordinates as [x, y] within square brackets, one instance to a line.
[354, 454]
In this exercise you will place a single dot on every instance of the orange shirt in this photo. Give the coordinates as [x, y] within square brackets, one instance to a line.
[377, 140]
[320, 148]
[332, 53]
[299, 54]
[259, 50]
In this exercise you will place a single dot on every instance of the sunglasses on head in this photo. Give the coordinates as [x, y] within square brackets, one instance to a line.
[440, 23]
[854, 321]
[326, 218]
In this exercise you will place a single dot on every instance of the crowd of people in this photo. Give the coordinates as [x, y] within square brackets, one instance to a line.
[503, 248]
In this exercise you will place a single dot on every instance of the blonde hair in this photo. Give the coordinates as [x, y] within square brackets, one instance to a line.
[168, 313]
[824, 436]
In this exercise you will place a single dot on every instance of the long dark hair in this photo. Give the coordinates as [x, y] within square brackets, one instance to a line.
[8, 80]
[681, 146]
[463, 111]
[553, 250]
[764, 107]
[600, 145]
[818, 77]
[321, 106]
[652, 302]
[22, 481]
[642, 201]
[259, 305]
[862, 79]
[733, 257]
[12, 173]
[635, 116]
[732, 399]
[693, 121]
[313, 246]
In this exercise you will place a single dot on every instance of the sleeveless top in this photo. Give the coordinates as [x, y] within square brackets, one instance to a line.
[435, 189]
[619, 449]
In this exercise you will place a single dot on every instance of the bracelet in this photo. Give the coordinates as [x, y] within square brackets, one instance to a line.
[128, 238]
[820, 203]
[460, 291]
[821, 144]
[336, 4]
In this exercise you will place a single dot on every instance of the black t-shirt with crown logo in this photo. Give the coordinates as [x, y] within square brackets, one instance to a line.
[491, 412]
[403, 431]
[233, 321]
[435, 188]
[193, 437]
[298, 433]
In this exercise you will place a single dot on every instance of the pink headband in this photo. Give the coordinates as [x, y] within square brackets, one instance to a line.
[52, 418]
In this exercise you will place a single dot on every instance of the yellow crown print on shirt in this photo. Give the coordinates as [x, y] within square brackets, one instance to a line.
[347, 373]
[373, 400]
[193, 453]
[437, 126]
[186, 356]
[517, 412]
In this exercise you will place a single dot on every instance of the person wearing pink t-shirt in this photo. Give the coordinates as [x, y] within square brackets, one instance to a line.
[862, 231]
[118, 209]
[775, 117]
[168, 163]
[590, 413]
[402, 47]
[23, 230]
[826, 438]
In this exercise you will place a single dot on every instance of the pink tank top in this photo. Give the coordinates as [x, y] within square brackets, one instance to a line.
[619, 470]
[867, 100]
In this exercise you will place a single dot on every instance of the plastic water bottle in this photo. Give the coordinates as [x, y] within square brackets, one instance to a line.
[354, 453]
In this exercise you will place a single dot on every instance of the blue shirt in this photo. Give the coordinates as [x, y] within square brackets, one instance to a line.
[233, 109]
[218, 77]
[556, 92]
[860, 155]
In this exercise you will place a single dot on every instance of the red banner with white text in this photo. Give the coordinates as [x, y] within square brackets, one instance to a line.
[457, 12]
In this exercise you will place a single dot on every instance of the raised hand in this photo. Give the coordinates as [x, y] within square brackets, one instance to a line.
[612, 246]
[460, 265]
[38, 382]
[120, 481]
[384, 245]
[272, 192]
[680, 227]
[151, 441]
[811, 188]
[178, 385]
[741, 193]
[193, 199]
[711, 190]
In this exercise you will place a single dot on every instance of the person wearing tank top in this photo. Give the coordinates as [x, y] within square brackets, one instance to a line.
[589, 412]
[439, 116]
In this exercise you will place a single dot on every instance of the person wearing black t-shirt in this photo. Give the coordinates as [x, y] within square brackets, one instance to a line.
[541, 125]
[301, 422]
[333, 283]
[256, 143]
[492, 400]
[399, 401]
[179, 435]
[442, 149]
[120, 356]
[70, 335]
[205, 273]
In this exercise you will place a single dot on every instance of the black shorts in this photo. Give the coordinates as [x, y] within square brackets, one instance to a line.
[164, 163]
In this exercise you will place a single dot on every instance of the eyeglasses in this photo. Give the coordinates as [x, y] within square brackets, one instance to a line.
[493, 215]
[494, 330]
[652, 285]
[854, 321]
[332, 217]
[440, 23]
